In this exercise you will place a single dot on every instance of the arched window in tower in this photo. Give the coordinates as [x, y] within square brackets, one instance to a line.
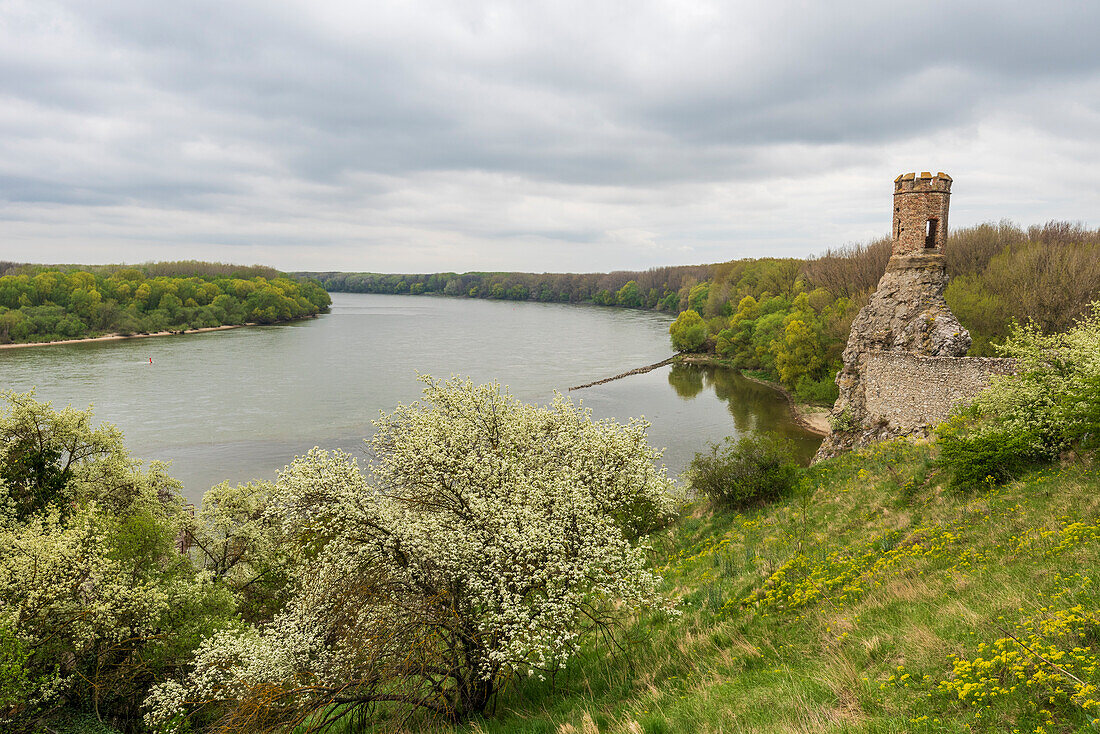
[930, 235]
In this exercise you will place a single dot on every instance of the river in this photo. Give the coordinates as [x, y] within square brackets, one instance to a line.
[242, 403]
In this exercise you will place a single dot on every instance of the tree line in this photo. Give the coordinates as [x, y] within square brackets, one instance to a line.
[49, 303]
[655, 288]
[787, 320]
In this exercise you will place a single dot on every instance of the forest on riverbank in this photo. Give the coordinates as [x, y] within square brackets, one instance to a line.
[44, 303]
[787, 320]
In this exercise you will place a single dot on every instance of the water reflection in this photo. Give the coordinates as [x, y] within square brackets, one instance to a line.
[686, 380]
[752, 405]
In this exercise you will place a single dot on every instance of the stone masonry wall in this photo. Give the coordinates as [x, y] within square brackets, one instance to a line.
[909, 391]
[918, 199]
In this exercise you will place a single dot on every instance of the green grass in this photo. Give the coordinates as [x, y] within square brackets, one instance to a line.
[874, 601]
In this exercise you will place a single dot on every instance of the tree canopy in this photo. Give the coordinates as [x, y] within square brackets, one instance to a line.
[96, 602]
[49, 304]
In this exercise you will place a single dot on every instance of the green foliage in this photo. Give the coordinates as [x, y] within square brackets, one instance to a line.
[790, 340]
[234, 538]
[1051, 403]
[96, 604]
[41, 451]
[1047, 276]
[755, 468]
[842, 422]
[984, 458]
[670, 302]
[604, 298]
[985, 314]
[697, 297]
[799, 353]
[688, 332]
[817, 392]
[15, 679]
[40, 304]
[629, 295]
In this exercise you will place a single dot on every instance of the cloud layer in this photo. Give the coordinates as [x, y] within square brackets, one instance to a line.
[424, 136]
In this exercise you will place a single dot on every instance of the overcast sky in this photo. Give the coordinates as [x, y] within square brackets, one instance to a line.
[419, 136]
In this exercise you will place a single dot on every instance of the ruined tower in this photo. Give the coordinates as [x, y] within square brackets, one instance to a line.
[920, 213]
[906, 315]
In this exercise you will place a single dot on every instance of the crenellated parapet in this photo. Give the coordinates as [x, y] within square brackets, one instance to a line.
[911, 183]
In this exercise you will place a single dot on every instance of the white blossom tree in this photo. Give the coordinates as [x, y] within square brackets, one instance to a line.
[95, 603]
[242, 546]
[491, 537]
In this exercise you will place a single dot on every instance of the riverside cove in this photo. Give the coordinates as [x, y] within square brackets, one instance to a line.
[240, 404]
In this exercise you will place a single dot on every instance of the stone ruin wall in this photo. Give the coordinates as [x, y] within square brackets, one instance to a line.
[904, 365]
[910, 392]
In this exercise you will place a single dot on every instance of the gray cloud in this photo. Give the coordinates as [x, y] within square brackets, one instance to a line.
[442, 135]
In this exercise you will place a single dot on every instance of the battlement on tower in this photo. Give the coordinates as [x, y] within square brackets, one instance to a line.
[911, 183]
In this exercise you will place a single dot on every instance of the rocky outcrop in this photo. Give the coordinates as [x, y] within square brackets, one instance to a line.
[904, 366]
[907, 313]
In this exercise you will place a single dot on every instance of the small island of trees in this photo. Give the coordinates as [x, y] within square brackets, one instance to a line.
[52, 303]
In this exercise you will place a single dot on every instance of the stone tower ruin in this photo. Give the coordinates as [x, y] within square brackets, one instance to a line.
[904, 364]
[920, 213]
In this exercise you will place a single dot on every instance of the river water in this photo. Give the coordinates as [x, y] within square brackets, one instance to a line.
[242, 403]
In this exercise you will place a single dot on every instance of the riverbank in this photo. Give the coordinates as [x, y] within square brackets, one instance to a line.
[118, 337]
[812, 418]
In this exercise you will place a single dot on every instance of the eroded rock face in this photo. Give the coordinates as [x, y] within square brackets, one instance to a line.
[907, 313]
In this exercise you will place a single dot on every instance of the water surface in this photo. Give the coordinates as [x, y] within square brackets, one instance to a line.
[242, 403]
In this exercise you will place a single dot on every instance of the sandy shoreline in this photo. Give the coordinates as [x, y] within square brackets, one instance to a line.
[117, 337]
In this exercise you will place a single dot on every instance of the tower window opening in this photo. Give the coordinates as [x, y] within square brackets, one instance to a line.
[930, 235]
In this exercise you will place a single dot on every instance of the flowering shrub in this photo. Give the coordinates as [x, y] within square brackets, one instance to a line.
[235, 540]
[491, 537]
[95, 602]
[1052, 402]
[1054, 398]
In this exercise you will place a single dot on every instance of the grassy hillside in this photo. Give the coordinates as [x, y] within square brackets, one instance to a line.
[873, 601]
